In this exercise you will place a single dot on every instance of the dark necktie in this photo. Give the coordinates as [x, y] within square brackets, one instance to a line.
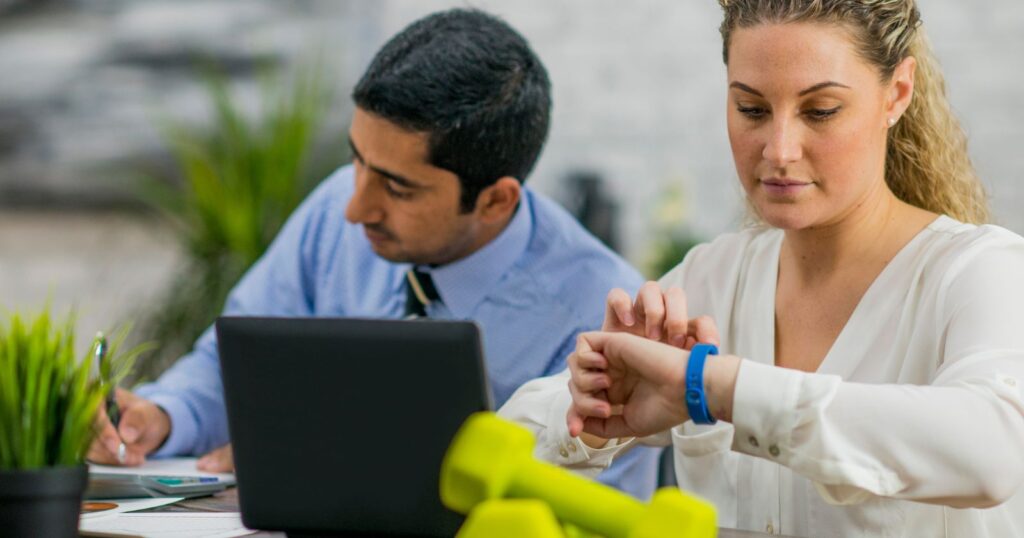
[419, 292]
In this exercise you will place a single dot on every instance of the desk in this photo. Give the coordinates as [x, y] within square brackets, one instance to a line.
[227, 501]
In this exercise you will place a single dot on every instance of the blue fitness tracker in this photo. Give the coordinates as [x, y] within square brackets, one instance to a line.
[696, 403]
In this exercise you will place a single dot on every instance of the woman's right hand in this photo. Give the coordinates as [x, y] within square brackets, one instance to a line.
[658, 315]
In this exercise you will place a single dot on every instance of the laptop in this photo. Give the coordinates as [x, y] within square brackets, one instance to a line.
[339, 425]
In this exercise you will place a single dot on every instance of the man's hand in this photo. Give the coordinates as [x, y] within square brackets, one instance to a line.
[657, 315]
[220, 460]
[144, 427]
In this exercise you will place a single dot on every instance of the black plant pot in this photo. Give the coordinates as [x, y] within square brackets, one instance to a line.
[42, 502]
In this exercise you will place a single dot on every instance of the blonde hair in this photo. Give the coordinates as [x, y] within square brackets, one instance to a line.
[927, 164]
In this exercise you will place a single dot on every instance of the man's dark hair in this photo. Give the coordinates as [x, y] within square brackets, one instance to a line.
[474, 85]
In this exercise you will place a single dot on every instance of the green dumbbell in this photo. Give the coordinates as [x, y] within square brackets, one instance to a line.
[492, 458]
[511, 518]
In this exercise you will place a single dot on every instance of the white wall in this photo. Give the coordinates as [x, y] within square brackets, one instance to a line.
[639, 98]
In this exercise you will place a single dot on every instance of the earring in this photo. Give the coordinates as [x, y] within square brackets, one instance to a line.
[892, 122]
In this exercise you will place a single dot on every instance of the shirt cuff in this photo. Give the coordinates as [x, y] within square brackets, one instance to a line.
[559, 447]
[695, 440]
[184, 429]
[764, 410]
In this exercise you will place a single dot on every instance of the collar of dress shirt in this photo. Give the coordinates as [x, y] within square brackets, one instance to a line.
[464, 283]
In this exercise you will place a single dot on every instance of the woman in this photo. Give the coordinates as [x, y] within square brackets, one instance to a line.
[881, 327]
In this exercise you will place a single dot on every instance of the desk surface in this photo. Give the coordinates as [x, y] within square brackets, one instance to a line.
[227, 501]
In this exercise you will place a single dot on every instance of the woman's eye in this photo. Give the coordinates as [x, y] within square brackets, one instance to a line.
[821, 114]
[752, 112]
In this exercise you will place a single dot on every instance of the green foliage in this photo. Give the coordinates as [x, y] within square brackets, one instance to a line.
[669, 251]
[673, 237]
[48, 399]
[242, 177]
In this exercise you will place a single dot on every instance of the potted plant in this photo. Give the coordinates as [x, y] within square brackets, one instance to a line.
[48, 403]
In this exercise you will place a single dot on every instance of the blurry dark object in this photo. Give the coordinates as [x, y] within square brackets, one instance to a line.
[43, 501]
[242, 178]
[15, 125]
[589, 203]
[11, 7]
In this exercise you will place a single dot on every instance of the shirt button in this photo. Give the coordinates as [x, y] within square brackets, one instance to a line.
[770, 529]
[753, 441]
[563, 452]
[1010, 381]
[572, 448]
[773, 450]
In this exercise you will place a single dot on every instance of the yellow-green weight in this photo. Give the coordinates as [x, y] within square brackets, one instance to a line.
[491, 458]
[511, 518]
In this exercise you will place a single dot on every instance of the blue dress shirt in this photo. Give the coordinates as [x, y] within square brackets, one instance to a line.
[532, 290]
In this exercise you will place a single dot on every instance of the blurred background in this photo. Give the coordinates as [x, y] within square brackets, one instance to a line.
[125, 126]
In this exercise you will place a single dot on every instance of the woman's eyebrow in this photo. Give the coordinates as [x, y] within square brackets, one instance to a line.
[812, 89]
[744, 87]
[822, 86]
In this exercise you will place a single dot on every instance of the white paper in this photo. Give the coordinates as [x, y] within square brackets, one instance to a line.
[130, 505]
[167, 466]
[170, 525]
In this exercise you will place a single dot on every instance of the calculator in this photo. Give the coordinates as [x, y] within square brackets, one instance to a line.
[127, 486]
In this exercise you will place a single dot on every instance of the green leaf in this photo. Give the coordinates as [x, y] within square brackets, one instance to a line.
[48, 398]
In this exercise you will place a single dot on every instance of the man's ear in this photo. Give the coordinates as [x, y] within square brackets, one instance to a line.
[497, 202]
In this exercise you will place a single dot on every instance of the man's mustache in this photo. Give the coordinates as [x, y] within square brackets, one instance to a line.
[379, 229]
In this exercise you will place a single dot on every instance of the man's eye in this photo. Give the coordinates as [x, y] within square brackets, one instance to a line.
[396, 191]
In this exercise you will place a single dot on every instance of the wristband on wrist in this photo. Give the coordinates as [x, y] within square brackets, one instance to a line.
[696, 402]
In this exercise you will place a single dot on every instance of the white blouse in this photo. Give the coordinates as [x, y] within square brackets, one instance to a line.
[918, 399]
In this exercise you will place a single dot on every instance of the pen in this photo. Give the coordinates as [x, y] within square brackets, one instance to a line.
[113, 411]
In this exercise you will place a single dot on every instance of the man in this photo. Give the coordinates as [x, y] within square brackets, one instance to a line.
[450, 118]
